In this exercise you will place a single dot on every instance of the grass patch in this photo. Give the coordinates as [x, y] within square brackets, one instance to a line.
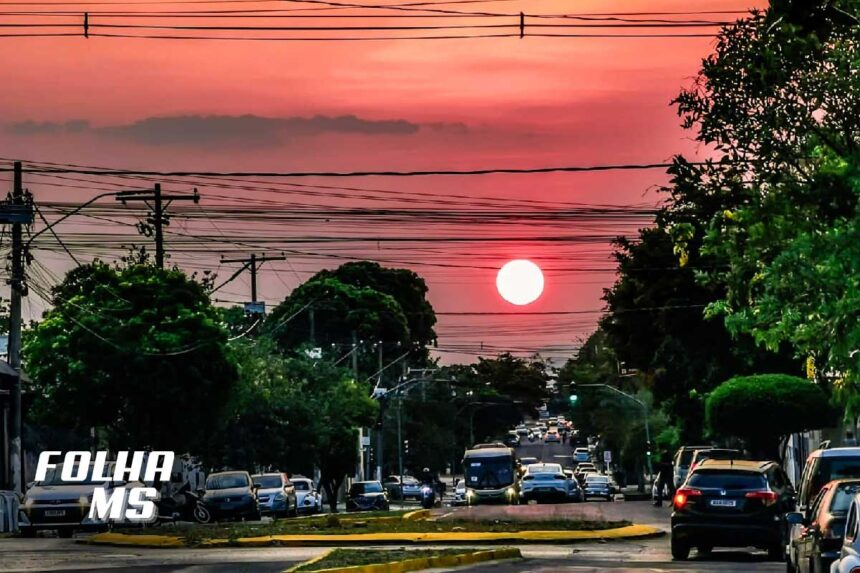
[355, 557]
[340, 524]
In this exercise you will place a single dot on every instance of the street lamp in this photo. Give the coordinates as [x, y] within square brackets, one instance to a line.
[574, 397]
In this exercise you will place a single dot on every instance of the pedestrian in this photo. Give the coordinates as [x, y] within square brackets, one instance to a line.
[665, 477]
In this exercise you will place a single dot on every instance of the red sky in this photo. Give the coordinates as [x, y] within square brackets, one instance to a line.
[419, 105]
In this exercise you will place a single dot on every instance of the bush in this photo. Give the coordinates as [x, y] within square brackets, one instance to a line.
[765, 408]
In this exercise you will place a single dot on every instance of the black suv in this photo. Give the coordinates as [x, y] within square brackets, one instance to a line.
[732, 503]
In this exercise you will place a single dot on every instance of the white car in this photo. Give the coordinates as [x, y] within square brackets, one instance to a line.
[581, 455]
[308, 499]
[459, 492]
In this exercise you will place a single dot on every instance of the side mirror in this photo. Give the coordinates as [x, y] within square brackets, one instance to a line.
[256, 486]
[30, 484]
[795, 518]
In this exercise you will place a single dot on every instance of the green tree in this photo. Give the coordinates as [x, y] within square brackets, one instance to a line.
[765, 409]
[339, 311]
[136, 351]
[779, 100]
[405, 286]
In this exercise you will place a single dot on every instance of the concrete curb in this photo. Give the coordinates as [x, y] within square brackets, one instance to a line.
[309, 561]
[454, 537]
[424, 562]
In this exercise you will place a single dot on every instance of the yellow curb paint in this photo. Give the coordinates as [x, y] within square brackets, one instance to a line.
[417, 515]
[420, 563]
[137, 540]
[310, 561]
[559, 536]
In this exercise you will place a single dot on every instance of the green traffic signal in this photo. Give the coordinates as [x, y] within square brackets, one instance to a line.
[573, 398]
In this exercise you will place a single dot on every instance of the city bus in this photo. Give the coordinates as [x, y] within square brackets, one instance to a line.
[491, 476]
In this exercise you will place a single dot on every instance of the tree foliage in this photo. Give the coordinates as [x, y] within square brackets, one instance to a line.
[765, 408]
[779, 100]
[136, 351]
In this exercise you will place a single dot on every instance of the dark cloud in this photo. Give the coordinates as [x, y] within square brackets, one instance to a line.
[30, 127]
[224, 130]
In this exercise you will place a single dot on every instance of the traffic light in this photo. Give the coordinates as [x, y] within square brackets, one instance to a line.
[573, 398]
[406, 447]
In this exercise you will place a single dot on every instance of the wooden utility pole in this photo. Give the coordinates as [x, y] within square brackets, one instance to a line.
[17, 211]
[253, 263]
[158, 219]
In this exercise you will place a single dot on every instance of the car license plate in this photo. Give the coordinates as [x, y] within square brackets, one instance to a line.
[55, 512]
[723, 502]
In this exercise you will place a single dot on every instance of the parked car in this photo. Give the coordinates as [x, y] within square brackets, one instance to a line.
[308, 499]
[521, 430]
[367, 496]
[681, 462]
[581, 455]
[597, 485]
[823, 466]
[815, 544]
[848, 560]
[410, 488]
[715, 454]
[547, 482]
[231, 495]
[731, 504]
[63, 506]
[276, 495]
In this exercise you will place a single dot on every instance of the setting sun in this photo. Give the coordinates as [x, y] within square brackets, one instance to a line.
[520, 282]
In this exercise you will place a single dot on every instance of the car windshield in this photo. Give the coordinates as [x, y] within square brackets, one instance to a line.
[268, 482]
[302, 485]
[843, 496]
[54, 476]
[227, 481]
[727, 480]
[489, 472]
[836, 468]
[365, 487]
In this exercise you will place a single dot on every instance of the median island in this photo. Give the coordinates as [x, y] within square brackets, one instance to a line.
[377, 528]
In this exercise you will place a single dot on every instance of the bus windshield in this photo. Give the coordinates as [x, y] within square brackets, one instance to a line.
[489, 472]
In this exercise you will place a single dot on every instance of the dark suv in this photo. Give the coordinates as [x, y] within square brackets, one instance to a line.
[731, 504]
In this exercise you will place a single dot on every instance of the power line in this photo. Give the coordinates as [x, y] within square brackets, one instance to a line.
[382, 173]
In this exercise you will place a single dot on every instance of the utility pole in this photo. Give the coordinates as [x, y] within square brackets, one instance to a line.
[17, 211]
[359, 474]
[253, 263]
[158, 219]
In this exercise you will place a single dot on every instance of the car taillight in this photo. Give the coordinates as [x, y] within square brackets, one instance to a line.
[855, 570]
[684, 494]
[767, 497]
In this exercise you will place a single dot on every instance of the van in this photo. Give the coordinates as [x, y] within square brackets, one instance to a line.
[681, 462]
[823, 466]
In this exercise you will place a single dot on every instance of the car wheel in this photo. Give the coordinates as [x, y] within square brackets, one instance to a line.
[65, 533]
[680, 550]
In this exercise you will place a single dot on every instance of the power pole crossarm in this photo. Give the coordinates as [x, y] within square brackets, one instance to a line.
[158, 218]
[253, 263]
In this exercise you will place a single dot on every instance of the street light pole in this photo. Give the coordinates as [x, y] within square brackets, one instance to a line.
[645, 411]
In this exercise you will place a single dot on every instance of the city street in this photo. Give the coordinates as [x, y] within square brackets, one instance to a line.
[53, 554]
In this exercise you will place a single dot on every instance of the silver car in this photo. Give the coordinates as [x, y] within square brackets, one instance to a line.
[849, 556]
[276, 495]
[548, 482]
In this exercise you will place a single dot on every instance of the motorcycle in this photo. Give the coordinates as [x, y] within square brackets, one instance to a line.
[184, 505]
[428, 497]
